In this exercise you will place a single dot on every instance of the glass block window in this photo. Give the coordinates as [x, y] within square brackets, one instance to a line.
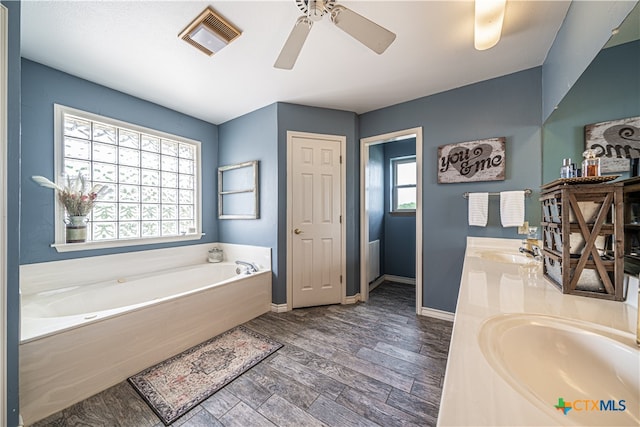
[403, 189]
[153, 177]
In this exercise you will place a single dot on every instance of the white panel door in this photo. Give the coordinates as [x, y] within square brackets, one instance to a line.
[316, 214]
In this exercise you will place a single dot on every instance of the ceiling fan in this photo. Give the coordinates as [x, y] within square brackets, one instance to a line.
[357, 26]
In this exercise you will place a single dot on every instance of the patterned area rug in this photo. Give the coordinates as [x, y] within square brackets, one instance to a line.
[175, 386]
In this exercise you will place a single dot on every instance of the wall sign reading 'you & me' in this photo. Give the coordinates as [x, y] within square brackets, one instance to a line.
[482, 160]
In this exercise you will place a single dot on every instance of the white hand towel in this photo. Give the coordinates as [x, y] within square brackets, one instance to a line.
[512, 208]
[478, 209]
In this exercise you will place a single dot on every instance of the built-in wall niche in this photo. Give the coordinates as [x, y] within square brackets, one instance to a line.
[238, 196]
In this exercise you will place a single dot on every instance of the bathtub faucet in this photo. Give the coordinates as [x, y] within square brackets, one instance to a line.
[251, 267]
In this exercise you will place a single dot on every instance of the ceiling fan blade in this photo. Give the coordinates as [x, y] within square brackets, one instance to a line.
[294, 43]
[360, 28]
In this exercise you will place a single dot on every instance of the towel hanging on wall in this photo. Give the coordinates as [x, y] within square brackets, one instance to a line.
[478, 209]
[512, 208]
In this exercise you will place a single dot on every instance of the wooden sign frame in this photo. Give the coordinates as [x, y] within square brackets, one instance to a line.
[480, 160]
[615, 142]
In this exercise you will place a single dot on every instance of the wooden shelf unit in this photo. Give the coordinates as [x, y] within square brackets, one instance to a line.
[632, 225]
[583, 233]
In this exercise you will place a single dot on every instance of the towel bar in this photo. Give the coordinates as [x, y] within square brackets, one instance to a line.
[527, 193]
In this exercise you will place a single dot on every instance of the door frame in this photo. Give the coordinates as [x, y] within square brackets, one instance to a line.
[3, 209]
[365, 143]
[343, 200]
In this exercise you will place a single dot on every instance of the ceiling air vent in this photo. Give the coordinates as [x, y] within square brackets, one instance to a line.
[209, 32]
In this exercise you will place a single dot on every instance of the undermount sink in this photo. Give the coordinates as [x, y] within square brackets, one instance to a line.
[548, 358]
[507, 257]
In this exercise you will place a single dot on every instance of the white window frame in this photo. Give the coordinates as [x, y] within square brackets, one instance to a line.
[60, 240]
[394, 186]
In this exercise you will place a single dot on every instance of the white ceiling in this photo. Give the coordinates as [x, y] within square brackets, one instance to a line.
[132, 46]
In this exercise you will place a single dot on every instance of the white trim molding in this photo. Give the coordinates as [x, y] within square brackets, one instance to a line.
[98, 244]
[4, 73]
[279, 308]
[391, 278]
[352, 299]
[400, 279]
[379, 281]
[438, 314]
[365, 143]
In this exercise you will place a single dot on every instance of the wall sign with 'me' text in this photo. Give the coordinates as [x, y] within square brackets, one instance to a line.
[481, 160]
[615, 142]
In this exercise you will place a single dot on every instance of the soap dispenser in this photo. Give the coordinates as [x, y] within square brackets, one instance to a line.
[590, 164]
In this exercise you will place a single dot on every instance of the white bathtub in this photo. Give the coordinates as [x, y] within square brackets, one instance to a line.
[81, 339]
[57, 310]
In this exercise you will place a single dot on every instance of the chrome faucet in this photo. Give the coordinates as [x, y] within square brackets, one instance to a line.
[532, 250]
[251, 267]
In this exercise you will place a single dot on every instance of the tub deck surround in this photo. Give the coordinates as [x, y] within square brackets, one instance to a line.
[474, 394]
[60, 368]
[54, 275]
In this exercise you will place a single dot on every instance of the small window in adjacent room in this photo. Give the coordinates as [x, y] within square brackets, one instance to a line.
[154, 179]
[403, 190]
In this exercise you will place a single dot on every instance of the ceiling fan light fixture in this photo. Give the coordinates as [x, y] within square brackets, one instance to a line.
[367, 32]
[209, 32]
[489, 17]
[315, 9]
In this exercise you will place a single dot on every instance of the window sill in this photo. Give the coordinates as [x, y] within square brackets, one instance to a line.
[402, 213]
[88, 246]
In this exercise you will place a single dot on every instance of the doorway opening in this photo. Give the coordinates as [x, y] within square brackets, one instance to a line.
[365, 198]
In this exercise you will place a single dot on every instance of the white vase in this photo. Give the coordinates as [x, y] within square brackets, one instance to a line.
[76, 230]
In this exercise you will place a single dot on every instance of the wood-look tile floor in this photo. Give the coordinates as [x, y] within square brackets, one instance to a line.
[343, 365]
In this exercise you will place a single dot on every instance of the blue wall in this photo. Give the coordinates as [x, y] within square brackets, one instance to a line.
[585, 29]
[333, 122]
[399, 228]
[508, 106]
[609, 89]
[13, 213]
[254, 136]
[262, 135]
[41, 88]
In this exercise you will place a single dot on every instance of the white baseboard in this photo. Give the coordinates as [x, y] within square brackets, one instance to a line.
[282, 308]
[279, 308]
[376, 283]
[438, 314]
[400, 279]
[352, 299]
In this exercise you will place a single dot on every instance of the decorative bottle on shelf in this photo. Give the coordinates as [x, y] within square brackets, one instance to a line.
[565, 170]
[590, 164]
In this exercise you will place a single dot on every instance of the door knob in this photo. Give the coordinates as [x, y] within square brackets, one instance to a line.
[297, 231]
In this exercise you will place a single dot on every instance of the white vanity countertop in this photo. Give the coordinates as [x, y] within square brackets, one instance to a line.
[474, 394]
